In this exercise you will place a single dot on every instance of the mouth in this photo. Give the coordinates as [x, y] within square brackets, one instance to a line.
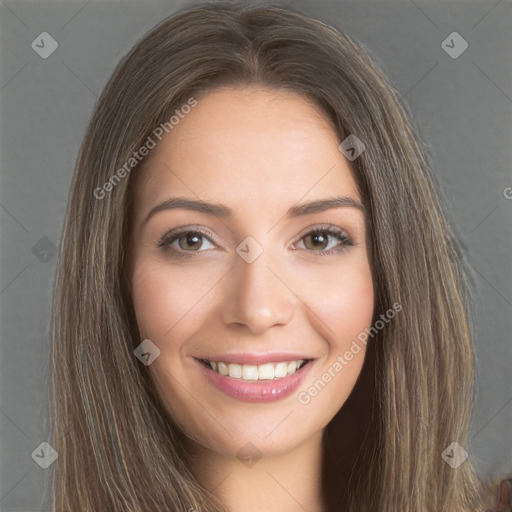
[266, 382]
[250, 372]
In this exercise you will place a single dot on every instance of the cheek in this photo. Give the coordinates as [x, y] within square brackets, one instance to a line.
[344, 308]
[165, 301]
[167, 306]
[352, 306]
[344, 302]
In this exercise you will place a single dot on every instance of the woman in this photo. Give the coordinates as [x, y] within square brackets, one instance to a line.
[259, 304]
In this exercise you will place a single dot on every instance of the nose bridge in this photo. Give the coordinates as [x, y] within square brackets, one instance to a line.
[258, 297]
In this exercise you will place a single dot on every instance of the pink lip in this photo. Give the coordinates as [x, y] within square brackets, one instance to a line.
[257, 391]
[255, 358]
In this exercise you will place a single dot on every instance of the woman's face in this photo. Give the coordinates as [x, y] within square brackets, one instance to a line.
[248, 282]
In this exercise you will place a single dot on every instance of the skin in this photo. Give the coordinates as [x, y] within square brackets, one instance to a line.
[259, 152]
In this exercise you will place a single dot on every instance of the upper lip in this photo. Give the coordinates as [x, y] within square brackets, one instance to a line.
[255, 358]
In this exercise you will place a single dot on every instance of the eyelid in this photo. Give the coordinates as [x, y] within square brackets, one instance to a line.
[174, 233]
[323, 226]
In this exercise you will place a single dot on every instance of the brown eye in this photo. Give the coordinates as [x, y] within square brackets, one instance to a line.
[191, 240]
[316, 241]
[319, 240]
[183, 242]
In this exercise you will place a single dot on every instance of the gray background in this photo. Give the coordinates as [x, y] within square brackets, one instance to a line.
[462, 107]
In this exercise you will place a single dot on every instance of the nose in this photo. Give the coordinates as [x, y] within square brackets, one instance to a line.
[259, 296]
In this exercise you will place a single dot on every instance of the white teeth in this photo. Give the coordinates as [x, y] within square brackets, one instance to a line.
[235, 370]
[249, 372]
[266, 371]
[223, 369]
[252, 372]
[280, 370]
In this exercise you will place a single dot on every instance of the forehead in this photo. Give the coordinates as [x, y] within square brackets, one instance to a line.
[248, 145]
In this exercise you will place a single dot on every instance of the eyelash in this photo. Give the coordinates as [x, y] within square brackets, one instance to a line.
[170, 237]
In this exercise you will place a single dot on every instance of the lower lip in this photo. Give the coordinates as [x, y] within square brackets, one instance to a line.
[256, 390]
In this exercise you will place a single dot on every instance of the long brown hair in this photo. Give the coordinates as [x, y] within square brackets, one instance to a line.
[117, 448]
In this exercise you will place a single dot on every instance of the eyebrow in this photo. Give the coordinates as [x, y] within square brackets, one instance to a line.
[222, 211]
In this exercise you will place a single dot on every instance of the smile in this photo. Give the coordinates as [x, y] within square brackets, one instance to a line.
[251, 372]
[267, 382]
